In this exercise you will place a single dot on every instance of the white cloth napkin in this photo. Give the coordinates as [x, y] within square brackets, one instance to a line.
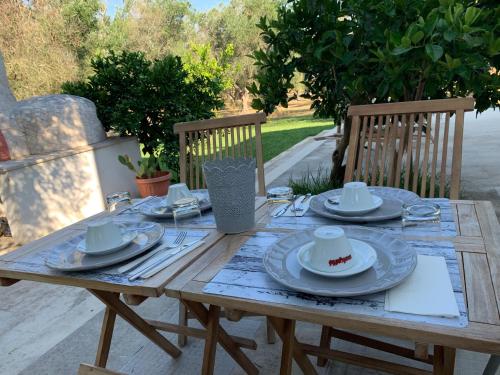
[304, 206]
[427, 291]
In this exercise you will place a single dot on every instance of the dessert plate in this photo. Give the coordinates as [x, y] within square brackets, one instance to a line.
[335, 207]
[162, 211]
[363, 257]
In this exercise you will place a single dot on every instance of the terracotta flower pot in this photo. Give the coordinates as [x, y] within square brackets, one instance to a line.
[154, 186]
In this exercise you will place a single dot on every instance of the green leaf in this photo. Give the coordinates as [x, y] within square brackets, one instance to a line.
[417, 37]
[405, 42]
[434, 51]
[471, 15]
[400, 50]
[449, 35]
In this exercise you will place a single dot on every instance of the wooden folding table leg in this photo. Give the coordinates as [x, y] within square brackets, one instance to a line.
[183, 321]
[324, 343]
[287, 348]
[112, 301]
[271, 334]
[108, 324]
[444, 360]
[299, 356]
[211, 340]
[201, 313]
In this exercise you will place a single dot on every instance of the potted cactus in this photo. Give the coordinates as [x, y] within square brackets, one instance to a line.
[151, 178]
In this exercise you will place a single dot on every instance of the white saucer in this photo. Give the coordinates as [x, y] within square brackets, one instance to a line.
[127, 238]
[363, 255]
[377, 202]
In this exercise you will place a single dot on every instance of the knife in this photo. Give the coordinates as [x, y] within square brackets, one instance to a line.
[170, 260]
[135, 263]
[153, 262]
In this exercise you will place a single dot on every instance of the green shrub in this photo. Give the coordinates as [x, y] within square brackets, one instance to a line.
[135, 96]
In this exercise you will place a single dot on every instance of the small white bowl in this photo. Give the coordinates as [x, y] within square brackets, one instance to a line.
[330, 244]
[363, 257]
[104, 238]
[176, 192]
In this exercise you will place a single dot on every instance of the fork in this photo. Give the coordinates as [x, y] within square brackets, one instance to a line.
[299, 208]
[181, 236]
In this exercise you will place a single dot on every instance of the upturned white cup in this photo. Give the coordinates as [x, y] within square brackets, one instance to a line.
[355, 196]
[176, 192]
[102, 235]
[332, 251]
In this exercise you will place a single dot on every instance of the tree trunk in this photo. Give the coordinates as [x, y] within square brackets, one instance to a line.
[338, 171]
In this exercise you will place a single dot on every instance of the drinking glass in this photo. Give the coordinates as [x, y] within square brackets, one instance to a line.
[185, 208]
[279, 198]
[117, 199]
[421, 214]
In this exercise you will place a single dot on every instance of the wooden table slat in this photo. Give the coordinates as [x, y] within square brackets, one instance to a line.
[468, 222]
[480, 294]
[490, 229]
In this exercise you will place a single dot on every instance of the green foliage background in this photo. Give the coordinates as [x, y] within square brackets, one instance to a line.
[145, 98]
[48, 42]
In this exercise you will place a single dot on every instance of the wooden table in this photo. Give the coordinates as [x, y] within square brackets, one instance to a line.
[478, 250]
[18, 265]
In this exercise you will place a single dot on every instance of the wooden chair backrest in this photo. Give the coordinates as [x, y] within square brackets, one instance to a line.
[407, 144]
[94, 370]
[228, 137]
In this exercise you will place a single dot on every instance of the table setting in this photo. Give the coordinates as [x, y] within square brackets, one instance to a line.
[122, 247]
[345, 254]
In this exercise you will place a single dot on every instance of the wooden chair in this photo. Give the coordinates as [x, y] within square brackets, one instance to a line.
[228, 137]
[235, 137]
[407, 145]
[385, 149]
[94, 370]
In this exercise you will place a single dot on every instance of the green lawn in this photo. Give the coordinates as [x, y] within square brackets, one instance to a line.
[281, 134]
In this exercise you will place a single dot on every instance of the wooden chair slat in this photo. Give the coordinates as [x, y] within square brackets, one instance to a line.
[410, 149]
[401, 148]
[198, 161]
[237, 130]
[191, 159]
[244, 140]
[233, 145]
[425, 162]
[361, 148]
[435, 155]
[219, 132]
[226, 142]
[250, 147]
[444, 156]
[393, 134]
[182, 157]
[456, 161]
[377, 148]
[369, 149]
[203, 156]
[384, 145]
[416, 160]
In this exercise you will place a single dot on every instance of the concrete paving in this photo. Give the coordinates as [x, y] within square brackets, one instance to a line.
[48, 329]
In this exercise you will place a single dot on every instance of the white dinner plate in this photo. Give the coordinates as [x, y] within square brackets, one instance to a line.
[377, 202]
[363, 257]
[127, 238]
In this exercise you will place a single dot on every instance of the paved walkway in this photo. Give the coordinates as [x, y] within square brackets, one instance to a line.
[49, 329]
